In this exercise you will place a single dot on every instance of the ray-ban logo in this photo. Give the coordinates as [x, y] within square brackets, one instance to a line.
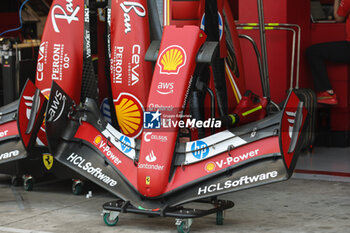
[58, 12]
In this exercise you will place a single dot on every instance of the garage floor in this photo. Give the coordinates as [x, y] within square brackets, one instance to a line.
[297, 205]
[316, 199]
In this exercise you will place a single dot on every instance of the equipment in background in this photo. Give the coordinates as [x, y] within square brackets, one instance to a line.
[62, 59]
[18, 63]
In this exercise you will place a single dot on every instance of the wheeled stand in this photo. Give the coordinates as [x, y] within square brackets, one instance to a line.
[183, 216]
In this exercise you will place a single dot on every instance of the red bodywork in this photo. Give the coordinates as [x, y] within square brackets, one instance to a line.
[222, 161]
[130, 74]
[155, 160]
[61, 49]
[158, 179]
[251, 108]
[122, 163]
[182, 13]
[289, 119]
[130, 81]
[155, 172]
[8, 129]
[60, 57]
[25, 108]
[175, 64]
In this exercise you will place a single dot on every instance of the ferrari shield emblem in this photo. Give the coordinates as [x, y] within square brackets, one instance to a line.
[148, 180]
[48, 161]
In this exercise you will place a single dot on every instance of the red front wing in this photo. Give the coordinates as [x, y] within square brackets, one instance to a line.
[231, 160]
[157, 167]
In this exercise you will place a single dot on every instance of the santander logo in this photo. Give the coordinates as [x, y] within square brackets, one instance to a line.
[151, 157]
[58, 12]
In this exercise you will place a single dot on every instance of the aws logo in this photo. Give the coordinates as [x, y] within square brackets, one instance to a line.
[172, 59]
[164, 88]
[57, 106]
[130, 114]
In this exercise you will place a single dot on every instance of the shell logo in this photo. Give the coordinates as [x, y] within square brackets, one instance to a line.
[130, 114]
[209, 167]
[172, 59]
[97, 139]
[46, 93]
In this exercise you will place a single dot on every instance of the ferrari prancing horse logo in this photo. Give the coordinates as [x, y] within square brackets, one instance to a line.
[48, 161]
[148, 180]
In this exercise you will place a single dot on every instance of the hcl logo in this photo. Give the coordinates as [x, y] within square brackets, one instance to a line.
[125, 144]
[200, 149]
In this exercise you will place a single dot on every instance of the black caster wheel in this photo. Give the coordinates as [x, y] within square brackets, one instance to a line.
[28, 184]
[77, 187]
[220, 217]
[109, 220]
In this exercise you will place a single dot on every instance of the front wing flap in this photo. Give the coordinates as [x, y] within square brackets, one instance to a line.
[19, 124]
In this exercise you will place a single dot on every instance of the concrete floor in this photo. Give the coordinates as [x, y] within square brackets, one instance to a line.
[297, 205]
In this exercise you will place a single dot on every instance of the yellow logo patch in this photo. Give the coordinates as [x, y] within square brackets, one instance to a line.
[148, 180]
[209, 167]
[172, 59]
[97, 139]
[129, 114]
[48, 161]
